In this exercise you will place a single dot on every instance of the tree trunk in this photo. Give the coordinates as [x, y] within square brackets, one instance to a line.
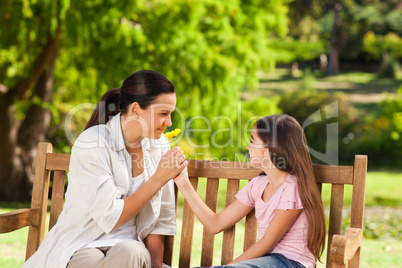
[11, 166]
[333, 63]
[20, 139]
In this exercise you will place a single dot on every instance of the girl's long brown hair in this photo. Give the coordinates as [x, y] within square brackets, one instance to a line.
[288, 149]
[142, 87]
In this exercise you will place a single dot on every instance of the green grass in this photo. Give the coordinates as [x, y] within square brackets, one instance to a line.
[12, 247]
[382, 188]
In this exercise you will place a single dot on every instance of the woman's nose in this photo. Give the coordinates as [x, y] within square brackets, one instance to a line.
[168, 122]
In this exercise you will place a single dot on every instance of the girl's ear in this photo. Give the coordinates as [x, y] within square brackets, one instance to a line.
[266, 153]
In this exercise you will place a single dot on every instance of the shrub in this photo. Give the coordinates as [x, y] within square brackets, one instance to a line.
[381, 136]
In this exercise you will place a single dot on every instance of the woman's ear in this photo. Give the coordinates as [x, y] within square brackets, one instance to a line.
[134, 108]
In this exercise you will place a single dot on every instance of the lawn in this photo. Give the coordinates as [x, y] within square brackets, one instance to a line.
[381, 189]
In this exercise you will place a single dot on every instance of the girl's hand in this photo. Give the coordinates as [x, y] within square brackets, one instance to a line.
[171, 164]
[182, 178]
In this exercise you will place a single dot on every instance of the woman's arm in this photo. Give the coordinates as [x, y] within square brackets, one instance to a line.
[155, 246]
[213, 222]
[171, 164]
[280, 224]
[135, 202]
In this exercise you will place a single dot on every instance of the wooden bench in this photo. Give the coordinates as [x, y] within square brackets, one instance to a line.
[344, 250]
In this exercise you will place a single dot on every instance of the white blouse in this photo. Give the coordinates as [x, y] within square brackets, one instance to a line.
[100, 178]
[125, 232]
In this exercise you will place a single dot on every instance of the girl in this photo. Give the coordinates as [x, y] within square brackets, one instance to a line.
[120, 197]
[287, 202]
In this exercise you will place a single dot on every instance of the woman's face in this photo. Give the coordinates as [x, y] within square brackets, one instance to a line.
[259, 154]
[151, 121]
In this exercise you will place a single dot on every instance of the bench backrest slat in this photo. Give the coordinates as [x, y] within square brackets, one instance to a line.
[211, 199]
[335, 215]
[59, 177]
[229, 234]
[186, 242]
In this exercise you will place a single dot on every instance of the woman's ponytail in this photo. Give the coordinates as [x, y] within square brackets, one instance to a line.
[107, 107]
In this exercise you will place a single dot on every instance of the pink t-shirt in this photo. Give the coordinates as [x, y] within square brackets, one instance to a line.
[293, 244]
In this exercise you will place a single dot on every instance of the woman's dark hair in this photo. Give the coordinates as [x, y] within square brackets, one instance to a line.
[287, 144]
[142, 87]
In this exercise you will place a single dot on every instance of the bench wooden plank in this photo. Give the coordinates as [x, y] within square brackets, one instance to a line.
[243, 170]
[333, 174]
[169, 240]
[335, 216]
[358, 199]
[187, 230]
[18, 219]
[59, 177]
[229, 234]
[228, 169]
[208, 239]
[40, 194]
[250, 232]
[57, 161]
[221, 169]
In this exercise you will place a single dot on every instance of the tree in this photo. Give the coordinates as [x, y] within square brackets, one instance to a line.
[333, 62]
[208, 49]
[29, 41]
[343, 25]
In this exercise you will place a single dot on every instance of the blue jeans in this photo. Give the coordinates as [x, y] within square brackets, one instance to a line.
[272, 260]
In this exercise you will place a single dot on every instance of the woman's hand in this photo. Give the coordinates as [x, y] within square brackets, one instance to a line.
[171, 164]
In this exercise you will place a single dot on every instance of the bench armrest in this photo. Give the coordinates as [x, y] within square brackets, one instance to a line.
[344, 247]
[18, 219]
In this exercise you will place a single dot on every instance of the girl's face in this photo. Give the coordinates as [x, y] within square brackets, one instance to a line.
[259, 154]
[151, 121]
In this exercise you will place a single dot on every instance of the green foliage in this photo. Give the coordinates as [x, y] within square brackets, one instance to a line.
[381, 137]
[383, 226]
[377, 45]
[24, 28]
[208, 49]
[390, 67]
[289, 50]
[229, 142]
[313, 21]
[386, 47]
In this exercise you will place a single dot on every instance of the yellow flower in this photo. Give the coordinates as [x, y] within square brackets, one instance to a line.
[172, 134]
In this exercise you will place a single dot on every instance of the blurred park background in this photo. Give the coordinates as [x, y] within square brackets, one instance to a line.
[232, 58]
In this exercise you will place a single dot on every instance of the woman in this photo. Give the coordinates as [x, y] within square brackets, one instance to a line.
[287, 202]
[120, 198]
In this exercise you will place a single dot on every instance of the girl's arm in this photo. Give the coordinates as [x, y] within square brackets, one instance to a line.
[155, 245]
[213, 222]
[280, 224]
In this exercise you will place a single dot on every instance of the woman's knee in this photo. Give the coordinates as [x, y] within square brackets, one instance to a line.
[132, 249]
